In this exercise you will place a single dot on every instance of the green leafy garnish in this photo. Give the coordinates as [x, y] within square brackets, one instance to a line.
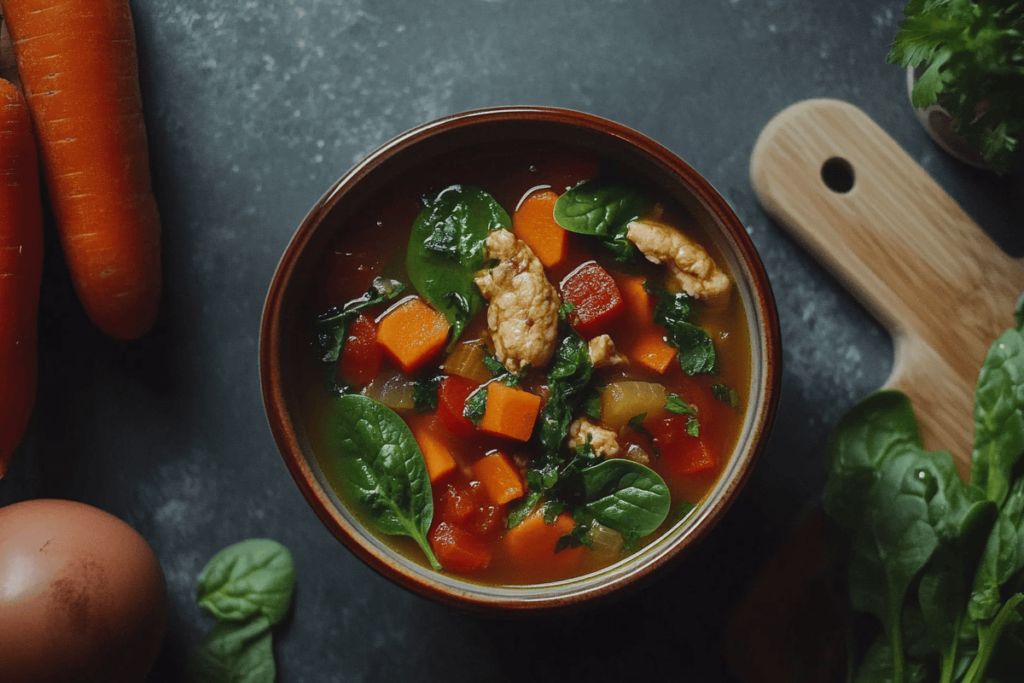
[676, 405]
[424, 393]
[726, 394]
[938, 562]
[696, 350]
[476, 405]
[248, 587]
[382, 468]
[565, 309]
[447, 247]
[693, 426]
[568, 379]
[332, 326]
[592, 404]
[603, 210]
[626, 496]
[972, 57]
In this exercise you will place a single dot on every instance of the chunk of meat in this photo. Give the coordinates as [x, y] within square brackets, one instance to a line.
[602, 352]
[689, 263]
[602, 440]
[523, 312]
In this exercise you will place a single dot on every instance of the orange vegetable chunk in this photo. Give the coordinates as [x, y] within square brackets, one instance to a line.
[532, 542]
[534, 223]
[500, 478]
[436, 454]
[646, 344]
[457, 549]
[510, 412]
[412, 333]
[650, 350]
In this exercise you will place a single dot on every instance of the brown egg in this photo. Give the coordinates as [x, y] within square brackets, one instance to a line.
[82, 596]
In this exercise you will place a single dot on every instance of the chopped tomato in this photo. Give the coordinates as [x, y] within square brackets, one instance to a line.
[361, 356]
[680, 451]
[458, 550]
[452, 393]
[595, 299]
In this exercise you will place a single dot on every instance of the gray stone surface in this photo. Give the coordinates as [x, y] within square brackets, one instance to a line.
[254, 107]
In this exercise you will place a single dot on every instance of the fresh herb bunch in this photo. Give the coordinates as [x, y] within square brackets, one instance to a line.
[972, 56]
[938, 562]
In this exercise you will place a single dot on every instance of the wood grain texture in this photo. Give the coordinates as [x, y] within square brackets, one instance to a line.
[903, 247]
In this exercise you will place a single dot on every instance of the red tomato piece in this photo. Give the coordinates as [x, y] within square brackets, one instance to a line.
[452, 393]
[361, 356]
[455, 504]
[457, 549]
[683, 453]
[595, 297]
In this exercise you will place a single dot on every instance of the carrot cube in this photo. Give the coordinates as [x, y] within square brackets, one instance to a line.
[639, 304]
[500, 478]
[412, 333]
[650, 350]
[436, 454]
[534, 223]
[532, 542]
[510, 412]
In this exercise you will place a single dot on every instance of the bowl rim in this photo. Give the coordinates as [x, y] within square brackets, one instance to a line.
[513, 601]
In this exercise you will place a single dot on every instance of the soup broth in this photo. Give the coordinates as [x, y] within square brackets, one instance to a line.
[508, 507]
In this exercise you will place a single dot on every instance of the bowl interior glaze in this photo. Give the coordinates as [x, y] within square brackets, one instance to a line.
[655, 167]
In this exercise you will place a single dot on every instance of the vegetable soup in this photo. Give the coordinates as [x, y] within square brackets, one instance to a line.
[524, 364]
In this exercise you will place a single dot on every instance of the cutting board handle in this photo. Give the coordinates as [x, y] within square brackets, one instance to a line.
[829, 175]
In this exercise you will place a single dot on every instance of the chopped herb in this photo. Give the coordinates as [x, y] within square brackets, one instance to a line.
[565, 309]
[424, 393]
[523, 510]
[592, 404]
[493, 365]
[726, 394]
[693, 426]
[475, 406]
[636, 423]
[696, 350]
[678, 406]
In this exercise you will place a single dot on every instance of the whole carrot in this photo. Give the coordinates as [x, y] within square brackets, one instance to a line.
[79, 69]
[21, 268]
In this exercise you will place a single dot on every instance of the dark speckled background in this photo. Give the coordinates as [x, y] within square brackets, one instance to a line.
[254, 107]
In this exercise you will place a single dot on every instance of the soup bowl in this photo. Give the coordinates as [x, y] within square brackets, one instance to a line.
[283, 353]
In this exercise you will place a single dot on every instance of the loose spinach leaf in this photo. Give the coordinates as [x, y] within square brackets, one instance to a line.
[382, 468]
[235, 652]
[568, 379]
[523, 510]
[424, 393]
[999, 417]
[252, 577]
[877, 429]
[447, 248]
[332, 326]
[626, 496]
[696, 349]
[476, 405]
[603, 210]
[1002, 558]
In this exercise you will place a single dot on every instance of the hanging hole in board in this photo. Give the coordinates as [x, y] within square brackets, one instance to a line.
[837, 173]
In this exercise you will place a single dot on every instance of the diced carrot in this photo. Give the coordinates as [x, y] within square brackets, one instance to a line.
[361, 355]
[458, 550]
[412, 333]
[500, 478]
[533, 542]
[510, 412]
[452, 393]
[639, 304]
[534, 223]
[650, 350]
[436, 454]
[595, 299]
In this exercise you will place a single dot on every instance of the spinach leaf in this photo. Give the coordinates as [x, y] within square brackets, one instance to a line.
[381, 468]
[879, 428]
[476, 405]
[603, 210]
[892, 545]
[332, 326]
[726, 395]
[696, 349]
[999, 416]
[1002, 558]
[447, 248]
[252, 577]
[626, 496]
[676, 405]
[523, 510]
[592, 404]
[571, 370]
[235, 652]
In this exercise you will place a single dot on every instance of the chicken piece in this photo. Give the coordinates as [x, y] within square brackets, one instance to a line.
[602, 440]
[602, 352]
[688, 262]
[523, 313]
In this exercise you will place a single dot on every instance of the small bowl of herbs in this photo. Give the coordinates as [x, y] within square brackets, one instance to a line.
[521, 359]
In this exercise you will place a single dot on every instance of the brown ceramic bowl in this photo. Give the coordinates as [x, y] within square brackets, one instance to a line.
[656, 167]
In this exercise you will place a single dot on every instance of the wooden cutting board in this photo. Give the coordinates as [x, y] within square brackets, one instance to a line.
[830, 176]
[901, 245]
